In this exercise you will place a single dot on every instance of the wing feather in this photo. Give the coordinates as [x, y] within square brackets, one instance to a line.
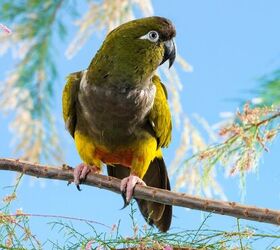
[160, 116]
[69, 100]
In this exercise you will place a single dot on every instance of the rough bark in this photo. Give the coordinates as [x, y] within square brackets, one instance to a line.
[148, 193]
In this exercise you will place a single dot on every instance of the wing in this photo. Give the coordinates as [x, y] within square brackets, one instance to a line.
[69, 100]
[160, 116]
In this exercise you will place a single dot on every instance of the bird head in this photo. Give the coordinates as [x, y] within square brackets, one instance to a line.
[135, 49]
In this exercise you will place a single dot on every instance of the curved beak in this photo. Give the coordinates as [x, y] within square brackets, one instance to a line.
[169, 52]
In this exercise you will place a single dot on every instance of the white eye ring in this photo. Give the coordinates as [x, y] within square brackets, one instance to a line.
[152, 36]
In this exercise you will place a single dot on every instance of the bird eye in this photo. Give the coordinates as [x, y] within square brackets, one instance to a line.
[153, 36]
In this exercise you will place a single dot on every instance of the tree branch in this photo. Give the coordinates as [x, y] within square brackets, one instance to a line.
[147, 193]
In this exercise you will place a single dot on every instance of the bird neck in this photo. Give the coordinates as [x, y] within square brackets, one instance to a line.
[112, 67]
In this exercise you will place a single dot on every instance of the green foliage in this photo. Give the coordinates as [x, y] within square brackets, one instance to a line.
[32, 80]
[148, 238]
[245, 137]
[270, 89]
[15, 232]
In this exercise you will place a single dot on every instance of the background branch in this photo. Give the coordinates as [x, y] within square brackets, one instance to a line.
[147, 193]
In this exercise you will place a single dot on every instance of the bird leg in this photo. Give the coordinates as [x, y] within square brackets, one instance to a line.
[127, 187]
[81, 172]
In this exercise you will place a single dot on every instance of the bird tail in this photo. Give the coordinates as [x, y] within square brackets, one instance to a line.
[154, 213]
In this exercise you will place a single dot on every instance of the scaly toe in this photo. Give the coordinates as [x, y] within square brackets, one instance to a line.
[81, 172]
[127, 187]
[84, 172]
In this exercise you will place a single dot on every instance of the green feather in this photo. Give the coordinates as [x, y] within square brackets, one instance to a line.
[69, 99]
[123, 57]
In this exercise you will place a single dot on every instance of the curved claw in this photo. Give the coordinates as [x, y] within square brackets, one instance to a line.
[80, 173]
[127, 187]
[78, 187]
[125, 203]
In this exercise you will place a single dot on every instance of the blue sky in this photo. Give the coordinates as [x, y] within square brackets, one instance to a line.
[230, 44]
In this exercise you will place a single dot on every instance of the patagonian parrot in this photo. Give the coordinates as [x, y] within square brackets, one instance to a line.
[118, 114]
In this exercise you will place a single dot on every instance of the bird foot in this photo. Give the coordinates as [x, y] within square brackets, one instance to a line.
[127, 187]
[81, 172]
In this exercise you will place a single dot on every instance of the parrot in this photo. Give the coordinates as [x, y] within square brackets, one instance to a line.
[118, 114]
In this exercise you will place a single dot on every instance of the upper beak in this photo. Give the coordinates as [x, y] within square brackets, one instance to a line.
[169, 52]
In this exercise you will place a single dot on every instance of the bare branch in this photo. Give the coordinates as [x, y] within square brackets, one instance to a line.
[147, 193]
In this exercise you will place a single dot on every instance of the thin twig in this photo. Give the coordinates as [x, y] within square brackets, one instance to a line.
[147, 193]
[54, 216]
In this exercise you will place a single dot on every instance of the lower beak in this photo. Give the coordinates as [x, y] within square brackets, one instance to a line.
[169, 52]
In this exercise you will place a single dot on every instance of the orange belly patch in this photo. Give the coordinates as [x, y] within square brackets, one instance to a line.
[123, 157]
